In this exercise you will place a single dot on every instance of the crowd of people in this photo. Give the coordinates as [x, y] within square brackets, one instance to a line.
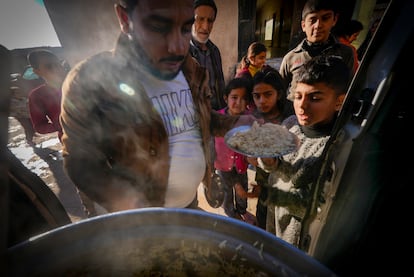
[148, 129]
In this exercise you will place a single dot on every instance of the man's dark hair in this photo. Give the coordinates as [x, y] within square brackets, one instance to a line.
[206, 3]
[327, 69]
[348, 28]
[318, 5]
[33, 58]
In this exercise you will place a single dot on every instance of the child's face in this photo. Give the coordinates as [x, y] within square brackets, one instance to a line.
[315, 104]
[318, 25]
[51, 70]
[237, 101]
[265, 97]
[259, 60]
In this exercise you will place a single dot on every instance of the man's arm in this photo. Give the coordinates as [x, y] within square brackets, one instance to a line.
[222, 123]
[115, 146]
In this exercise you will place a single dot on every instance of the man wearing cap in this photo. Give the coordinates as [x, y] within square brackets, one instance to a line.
[205, 51]
[318, 19]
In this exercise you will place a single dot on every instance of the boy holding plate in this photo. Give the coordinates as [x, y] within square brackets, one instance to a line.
[321, 85]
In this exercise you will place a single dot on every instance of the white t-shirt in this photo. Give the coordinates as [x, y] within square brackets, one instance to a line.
[174, 102]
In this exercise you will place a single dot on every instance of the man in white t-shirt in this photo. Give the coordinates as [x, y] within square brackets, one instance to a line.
[137, 120]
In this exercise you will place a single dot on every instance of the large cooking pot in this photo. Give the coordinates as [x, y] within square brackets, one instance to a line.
[160, 242]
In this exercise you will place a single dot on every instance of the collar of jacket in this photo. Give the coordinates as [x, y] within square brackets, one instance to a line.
[197, 44]
[304, 44]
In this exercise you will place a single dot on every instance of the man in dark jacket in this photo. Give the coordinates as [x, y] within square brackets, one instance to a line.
[205, 51]
[318, 19]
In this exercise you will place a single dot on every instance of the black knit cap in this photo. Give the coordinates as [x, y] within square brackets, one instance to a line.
[206, 3]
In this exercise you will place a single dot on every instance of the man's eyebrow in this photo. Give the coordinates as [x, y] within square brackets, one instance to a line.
[322, 13]
[311, 93]
[316, 92]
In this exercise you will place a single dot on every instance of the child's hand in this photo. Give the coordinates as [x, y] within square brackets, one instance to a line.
[255, 191]
[269, 161]
[240, 191]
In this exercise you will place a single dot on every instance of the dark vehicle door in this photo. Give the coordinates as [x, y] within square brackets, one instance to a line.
[362, 223]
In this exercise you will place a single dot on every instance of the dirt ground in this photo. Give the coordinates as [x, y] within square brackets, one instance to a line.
[45, 160]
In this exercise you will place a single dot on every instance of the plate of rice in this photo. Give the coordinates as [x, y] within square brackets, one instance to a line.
[266, 141]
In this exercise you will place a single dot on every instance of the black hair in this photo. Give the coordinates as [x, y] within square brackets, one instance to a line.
[240, 83]
[206, 3]
[348, 28]
[33, 58]
[328, 69]
[318, 5]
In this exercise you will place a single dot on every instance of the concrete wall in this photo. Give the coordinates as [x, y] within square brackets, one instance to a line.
[83, 29]
[97, 27]
[225, 34]
[280, 13]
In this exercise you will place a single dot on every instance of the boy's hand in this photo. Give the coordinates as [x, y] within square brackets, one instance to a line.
[255, 191]
[252, 161]
[269, 161]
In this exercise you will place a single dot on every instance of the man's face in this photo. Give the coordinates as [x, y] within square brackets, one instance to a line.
[161, 32]
[51, 70]
[318, 25]
[203, 24]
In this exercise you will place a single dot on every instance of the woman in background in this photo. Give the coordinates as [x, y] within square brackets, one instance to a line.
[253, 62]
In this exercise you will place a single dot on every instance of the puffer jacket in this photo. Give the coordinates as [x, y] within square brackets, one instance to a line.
[303, 52]
[226, 158]
[115, 145]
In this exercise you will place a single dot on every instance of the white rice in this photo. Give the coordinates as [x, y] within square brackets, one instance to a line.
[267, 140]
